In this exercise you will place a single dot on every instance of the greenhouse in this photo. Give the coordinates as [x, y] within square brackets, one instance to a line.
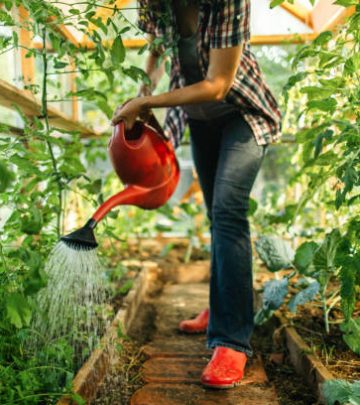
[180, 202]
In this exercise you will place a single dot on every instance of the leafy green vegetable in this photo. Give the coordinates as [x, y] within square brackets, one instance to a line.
[304, 256]
[274, 252]
[273, 296]
[274, 293]
[304, 296]
[341, 392]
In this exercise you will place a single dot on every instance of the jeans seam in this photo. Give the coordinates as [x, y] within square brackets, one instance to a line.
[240, 348]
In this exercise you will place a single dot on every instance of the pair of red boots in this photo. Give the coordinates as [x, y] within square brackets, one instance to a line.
[226, 367]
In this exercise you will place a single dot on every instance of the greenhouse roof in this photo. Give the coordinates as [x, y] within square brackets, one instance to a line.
[295, 22]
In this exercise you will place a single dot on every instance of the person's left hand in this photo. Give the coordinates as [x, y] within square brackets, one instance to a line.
[129, 111]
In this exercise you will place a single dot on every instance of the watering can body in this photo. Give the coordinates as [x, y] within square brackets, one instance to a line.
[145, 162]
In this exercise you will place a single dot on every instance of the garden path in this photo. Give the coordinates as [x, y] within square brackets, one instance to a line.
[175, 361]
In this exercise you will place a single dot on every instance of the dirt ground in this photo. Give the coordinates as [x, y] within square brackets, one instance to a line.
[331, 348]
[125, 377]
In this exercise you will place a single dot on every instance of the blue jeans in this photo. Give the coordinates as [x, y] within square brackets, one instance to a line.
[227, 160]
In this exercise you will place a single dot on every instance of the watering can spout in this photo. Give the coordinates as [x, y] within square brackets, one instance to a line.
[83, 238]
[144, 160]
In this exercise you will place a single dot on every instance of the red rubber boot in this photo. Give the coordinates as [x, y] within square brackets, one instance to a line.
[196, 325]
[225, 369]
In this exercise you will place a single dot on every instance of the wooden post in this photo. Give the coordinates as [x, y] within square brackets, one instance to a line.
[25, 39]
[74, 99]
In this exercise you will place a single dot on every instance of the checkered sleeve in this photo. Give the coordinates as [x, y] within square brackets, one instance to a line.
[146, 19]
[230, 23]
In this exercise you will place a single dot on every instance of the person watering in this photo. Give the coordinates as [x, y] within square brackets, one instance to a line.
[216, 87]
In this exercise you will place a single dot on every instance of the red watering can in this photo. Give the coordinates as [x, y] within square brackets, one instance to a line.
[144, 159]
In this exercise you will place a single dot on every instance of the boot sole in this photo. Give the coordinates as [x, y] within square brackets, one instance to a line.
[193, 332]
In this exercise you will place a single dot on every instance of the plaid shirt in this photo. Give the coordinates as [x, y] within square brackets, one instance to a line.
[222, 24]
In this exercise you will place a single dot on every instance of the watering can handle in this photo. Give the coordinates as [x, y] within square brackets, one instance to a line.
[153, 122]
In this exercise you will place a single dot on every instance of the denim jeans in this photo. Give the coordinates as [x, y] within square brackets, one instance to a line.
[227, 159]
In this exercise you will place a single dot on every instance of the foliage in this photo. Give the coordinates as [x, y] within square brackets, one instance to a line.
[276, 253]
[322, 100]
[351, 330]
[341, 392]
[41, 171]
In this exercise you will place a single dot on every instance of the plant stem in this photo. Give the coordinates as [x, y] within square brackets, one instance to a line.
[325, 310]
[3, 256]
[44, 111]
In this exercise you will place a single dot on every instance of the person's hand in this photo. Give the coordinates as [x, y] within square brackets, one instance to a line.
[129, 111]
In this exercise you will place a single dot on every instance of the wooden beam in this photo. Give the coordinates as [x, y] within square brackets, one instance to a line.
[131, 43]
[64, 31]
[282, 39]
[11, 96]
[298, 11]
[74, 99]
[326, 15]
[135, 43]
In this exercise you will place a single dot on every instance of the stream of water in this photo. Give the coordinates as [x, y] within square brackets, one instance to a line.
[72, 305]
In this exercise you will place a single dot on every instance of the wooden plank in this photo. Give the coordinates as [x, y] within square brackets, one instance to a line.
[92, 373]
[282, 38]
[25, 39]
[298, 11]
[134, 43]
[11, 96]
[326, 15]
[74, 99]
[191, 394]
[188, 369]
[306, 363]
[64, 32]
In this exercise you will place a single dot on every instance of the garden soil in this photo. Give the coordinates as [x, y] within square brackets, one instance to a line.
[125, 378]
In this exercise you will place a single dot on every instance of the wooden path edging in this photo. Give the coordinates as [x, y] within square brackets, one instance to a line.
[305, 361]
[93, 371]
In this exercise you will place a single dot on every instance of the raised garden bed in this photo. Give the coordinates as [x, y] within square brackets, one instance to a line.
[95, 368]
[316, 356]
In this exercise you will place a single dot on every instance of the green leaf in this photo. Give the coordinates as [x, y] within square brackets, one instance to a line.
[304, 296]
[78, 399]
[6, 177]
[262, 316]
[274, 293]
[276, 253]
[32, 221]
[324, 258]
[341, 392]
[117, 51]
[253, 205]
[275, 3]
[316, 92]
[352, 65]
[323, 38]
[326, 104]
[304, 256]
[284, 216]
[325, 159]
[58, 64]
[18, 310]
[126, 287]
[348, 287]
[351, 335]
[346, 3]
